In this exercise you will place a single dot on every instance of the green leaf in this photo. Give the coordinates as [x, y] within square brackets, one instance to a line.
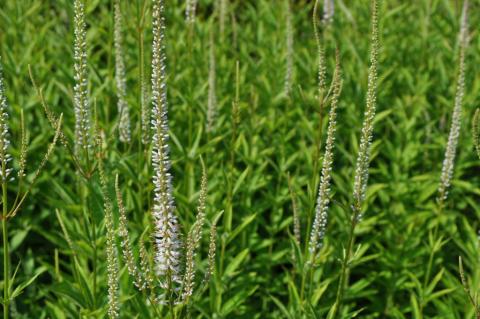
[235, 262]
[240, 228]
[417, 314]
[19, 289]
[240, 180]
[282, 308]
[238, 299]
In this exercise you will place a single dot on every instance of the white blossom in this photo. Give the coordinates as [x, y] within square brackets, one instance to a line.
[289, 47]
[212, 94]
[450, 151]
[190, 11]
[321, 209]
[81, 103]
[5, 156]
[328, 10]
[167, 234]
[363, 158]
[120, 78]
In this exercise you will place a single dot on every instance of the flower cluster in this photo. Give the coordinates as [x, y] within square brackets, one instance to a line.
[190, 11]
[111, 250]
[120, 78]
[328, 10]
[322, 69]
[289, 46]
[127, 251]
[193, 240]
[450, 151]
[212, 94]
[321, 209]
[167, 234]
[363, 159]
[81, 103]
[145, 117]
[5, 157]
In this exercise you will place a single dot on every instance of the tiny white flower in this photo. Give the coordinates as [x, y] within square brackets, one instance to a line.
[81, 103]
[5, 157]
[167, 232]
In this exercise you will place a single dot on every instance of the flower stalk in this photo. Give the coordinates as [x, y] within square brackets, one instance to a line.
[80, 90]
[167, 234]
[454, 134]
[363, 162]
[120, 78]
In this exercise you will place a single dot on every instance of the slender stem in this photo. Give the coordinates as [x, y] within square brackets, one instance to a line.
[6, 261]
[345, 264]
[302, 287]
[153, 303]
[432, 252]
[430, 259]
[94, 242]
[170, 293]
[93, 231]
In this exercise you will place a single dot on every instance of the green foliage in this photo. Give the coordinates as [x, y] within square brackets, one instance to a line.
[405, 259]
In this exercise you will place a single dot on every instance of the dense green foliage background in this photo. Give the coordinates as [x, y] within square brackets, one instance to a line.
[275, 135]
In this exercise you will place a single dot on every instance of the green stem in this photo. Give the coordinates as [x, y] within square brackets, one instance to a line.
[314, 180]
[6, 261]
[432, 252]
[94, 244]
[90, 221]
[345, 264]
[153, 303]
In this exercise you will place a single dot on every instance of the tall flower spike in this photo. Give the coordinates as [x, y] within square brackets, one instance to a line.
[145, 265]
[289, 46]
[112, 257]
[144, 101]
[322, 70]
[212, 94]
[81, 104]
[222, 10]
[193, 240]
[190, 11]
[321, 210]
[328, 11]
[450, 151]
[5, 157]
[23, 150]
[132, 268]
[120, 78]
[476, 131]
[212, 248]
[363, 158]
[167, 234]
